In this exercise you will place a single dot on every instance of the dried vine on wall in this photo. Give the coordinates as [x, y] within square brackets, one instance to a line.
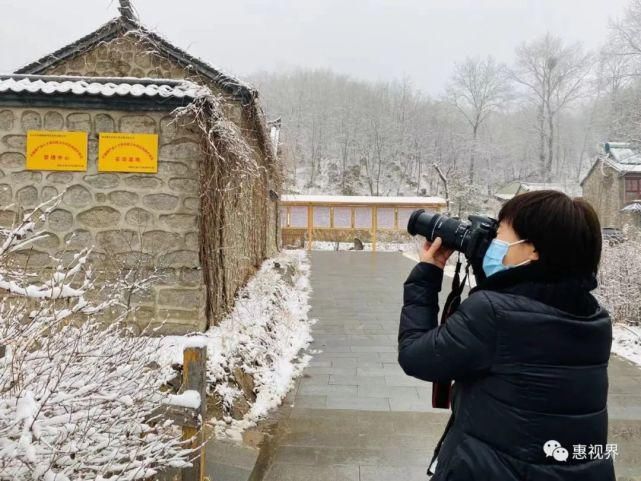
[230, 176]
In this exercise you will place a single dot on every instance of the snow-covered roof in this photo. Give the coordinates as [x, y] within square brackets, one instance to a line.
[623, 157]
[516, 187]
[126, 24]
[99, 86]
[623, 153]
[623, 167]
[533, 186]
[508, 191]
[362, 199]
[633, 207]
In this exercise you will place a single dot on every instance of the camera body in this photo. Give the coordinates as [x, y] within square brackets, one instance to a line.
[472, 238]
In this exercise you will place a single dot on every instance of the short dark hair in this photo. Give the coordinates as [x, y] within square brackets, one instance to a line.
[565, 232]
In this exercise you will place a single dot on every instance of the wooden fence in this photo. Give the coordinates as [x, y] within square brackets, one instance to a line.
[192, 418]
[307, 218]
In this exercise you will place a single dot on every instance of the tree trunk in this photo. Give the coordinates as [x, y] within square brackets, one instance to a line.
[344, 164]
[420, 173]
[473, 154]
[548, 167]
[542, 141]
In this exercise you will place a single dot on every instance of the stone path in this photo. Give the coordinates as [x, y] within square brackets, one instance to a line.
[355, 416]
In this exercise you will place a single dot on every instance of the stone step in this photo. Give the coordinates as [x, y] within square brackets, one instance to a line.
[229, 460]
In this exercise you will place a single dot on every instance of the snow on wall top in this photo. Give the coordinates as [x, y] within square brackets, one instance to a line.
[634, 207]
[100, 86]
[362, 199]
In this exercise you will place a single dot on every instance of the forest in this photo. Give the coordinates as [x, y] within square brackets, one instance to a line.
[539, 119]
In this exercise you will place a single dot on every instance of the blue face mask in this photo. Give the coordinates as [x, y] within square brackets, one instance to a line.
[493, 259]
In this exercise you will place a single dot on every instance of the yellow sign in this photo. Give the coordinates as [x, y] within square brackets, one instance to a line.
[48, 150]
[120, 152]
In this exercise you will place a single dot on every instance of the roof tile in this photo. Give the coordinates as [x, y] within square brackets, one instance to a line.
[101, 86]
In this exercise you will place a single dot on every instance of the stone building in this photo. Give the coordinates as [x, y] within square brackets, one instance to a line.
[209, 216]
[613, 185]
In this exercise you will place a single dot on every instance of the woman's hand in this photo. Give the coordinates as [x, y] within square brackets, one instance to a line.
[433, 253]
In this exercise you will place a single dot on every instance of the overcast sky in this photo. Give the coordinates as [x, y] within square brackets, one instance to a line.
[369, 39]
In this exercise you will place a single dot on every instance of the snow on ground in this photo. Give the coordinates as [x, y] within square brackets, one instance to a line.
[626, 342]
[367, 246]
[263, 336]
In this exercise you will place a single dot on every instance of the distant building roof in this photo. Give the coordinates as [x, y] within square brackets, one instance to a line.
[514, 188]
[622, 153]
[624, 157]
[508, 191]
[362, 199]
[166, 92]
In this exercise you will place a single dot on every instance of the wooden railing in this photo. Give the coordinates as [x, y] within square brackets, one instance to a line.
[308, 218]
[192, 418]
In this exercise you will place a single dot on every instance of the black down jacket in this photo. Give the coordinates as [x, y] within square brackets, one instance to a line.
[528, 351]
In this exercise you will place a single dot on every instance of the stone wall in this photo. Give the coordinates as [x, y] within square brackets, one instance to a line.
[603, 188]
[133, 56]
[141, 221]
[246, 243]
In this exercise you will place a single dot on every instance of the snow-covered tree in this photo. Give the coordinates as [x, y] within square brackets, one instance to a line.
[478, 88]
[620, 277]
[79, 398]
[553, 75]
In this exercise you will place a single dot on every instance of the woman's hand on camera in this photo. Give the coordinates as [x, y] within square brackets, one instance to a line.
[434, 253]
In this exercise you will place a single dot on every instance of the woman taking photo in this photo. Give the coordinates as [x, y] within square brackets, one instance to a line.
[528, 349]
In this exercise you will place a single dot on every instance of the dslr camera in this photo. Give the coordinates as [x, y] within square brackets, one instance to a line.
[471, 238]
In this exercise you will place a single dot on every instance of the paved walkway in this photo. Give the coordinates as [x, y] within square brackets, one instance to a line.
[355, 416]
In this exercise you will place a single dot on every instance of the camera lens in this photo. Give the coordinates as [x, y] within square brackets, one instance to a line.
[453, 232]
[422, 223]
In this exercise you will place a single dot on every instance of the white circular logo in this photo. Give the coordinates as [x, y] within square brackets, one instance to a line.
[554, 449]
[550, 446]
[560, 454]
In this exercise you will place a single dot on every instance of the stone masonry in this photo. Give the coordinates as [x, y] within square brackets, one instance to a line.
[604, 189]
[133, 220]
[247, 227]
[133, 54]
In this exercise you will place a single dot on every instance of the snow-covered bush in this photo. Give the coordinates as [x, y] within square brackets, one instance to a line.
[257, 351]
[77, 396]
[620, 276]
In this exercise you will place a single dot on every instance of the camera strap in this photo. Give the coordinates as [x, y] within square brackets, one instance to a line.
[442, 391]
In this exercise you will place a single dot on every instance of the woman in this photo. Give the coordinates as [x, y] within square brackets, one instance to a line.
[528, 349]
